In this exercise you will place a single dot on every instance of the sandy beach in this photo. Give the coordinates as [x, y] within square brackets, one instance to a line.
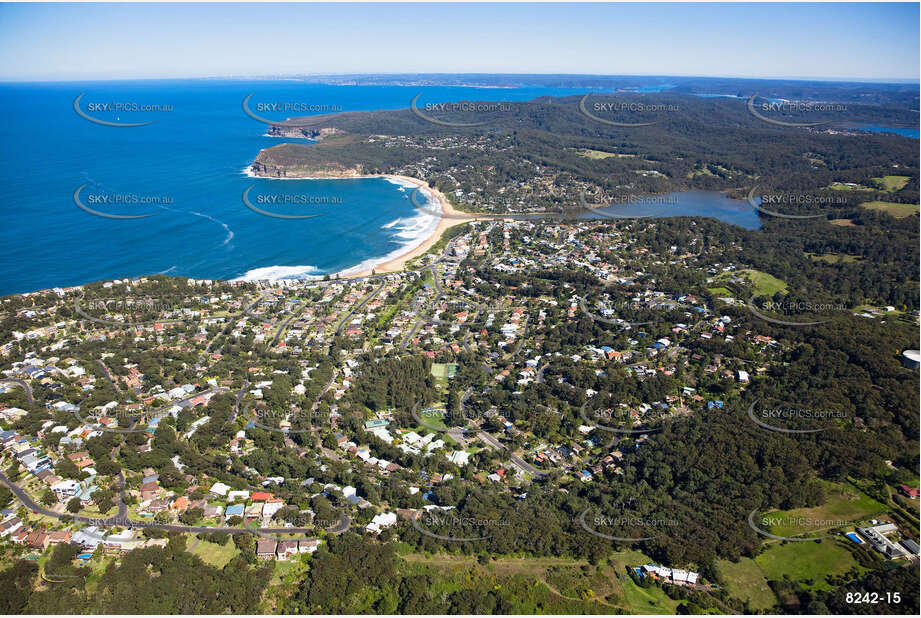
[398, 263]
[450, 217]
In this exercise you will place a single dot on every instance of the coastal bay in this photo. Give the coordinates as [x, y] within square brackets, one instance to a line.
[444, 223]
[450, 215]
[200, 227]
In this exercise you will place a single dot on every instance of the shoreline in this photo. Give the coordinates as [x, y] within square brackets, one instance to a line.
[398, 263]
[449, 217]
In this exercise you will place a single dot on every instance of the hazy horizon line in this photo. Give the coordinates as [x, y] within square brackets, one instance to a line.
[263, 76]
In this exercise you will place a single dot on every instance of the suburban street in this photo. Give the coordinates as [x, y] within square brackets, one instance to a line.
[25, 386]
[355, 309]
[122, 521]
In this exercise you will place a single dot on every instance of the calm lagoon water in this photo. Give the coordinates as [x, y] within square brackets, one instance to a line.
[912, 133]
[688, 204]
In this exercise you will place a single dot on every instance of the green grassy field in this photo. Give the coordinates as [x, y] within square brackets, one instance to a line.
[809, 563]
[721, 291]
[647, 600]
[444, 370]
[431, 420]
[287, 571]
[763, 283]
[815, 161]
[766, 284]
[744, 580]
[214, 554]
[600, 154]
[914, 506]
[892, 183]
[833, 258]
[844, 504]
[524, 582]
[628, 558]
[899, 211]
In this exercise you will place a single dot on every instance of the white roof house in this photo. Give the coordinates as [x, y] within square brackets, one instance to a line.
[380, 521]
[460, 458]
[270, 508]
[68, 487]
[220, 489]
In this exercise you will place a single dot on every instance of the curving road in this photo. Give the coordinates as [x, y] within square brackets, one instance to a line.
[108, 376]
[342, 526]
[122, 520]
[540, 373]
[25, 386]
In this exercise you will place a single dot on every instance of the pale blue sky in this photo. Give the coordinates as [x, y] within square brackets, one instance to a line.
[105, 41]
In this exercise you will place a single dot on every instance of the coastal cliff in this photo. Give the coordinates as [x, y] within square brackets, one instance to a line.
[283, 130]
[300, 161]
[268, 169]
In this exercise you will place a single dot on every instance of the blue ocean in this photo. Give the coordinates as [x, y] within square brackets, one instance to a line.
[186, 170]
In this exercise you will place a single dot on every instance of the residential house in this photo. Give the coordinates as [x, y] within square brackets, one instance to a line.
[265, 549]
[286, 549]
[308, 546]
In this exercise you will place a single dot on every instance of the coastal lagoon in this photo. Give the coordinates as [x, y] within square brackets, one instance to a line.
[187, 170]
[683, 204]
[903, 131]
